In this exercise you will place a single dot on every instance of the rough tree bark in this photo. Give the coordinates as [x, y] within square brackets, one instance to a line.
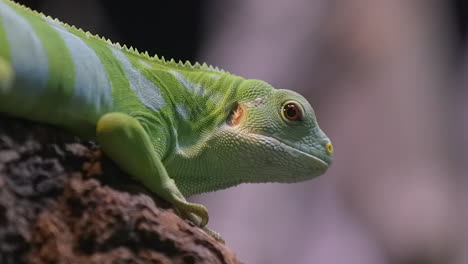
[62, 201]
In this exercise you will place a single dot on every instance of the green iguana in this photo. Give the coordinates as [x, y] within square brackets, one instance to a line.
[180, 129]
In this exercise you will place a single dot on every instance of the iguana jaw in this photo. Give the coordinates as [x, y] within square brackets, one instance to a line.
[293, 151]
[316, 159]
[306, 165]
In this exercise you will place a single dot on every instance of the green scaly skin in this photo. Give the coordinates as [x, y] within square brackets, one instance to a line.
[179, 128]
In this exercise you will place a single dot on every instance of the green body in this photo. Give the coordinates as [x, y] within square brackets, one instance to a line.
[179, 128]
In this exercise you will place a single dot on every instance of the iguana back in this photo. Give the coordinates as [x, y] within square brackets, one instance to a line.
[59, 67]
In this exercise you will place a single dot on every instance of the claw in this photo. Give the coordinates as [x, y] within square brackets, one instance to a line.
[214, 234]
[199, 211]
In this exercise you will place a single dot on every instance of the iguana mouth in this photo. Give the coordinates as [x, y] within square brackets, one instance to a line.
[292, 150]
[295, 151]
[314, 165]
[323, 162]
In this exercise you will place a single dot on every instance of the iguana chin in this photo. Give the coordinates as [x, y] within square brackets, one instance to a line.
[179, 128]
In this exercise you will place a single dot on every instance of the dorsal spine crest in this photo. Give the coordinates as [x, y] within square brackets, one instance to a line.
[145, 55]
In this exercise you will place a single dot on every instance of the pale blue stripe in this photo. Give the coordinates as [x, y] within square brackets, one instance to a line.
[148, 93]
[189, 86]
[92, 85]
[28, 56]
[182, 111]
[197, 89]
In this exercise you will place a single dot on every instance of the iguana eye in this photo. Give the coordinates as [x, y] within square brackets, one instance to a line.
[292, 111]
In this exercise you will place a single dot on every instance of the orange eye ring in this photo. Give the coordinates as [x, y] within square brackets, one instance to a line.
[292, 111]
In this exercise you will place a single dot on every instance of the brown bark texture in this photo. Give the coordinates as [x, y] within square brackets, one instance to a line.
[62, 201]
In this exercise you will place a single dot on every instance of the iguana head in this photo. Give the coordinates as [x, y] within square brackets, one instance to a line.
[275, 136]
[265, 135]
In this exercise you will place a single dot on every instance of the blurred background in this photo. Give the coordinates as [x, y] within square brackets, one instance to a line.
[389, 83]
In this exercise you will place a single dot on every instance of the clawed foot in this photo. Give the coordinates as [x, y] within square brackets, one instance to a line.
[198, 215]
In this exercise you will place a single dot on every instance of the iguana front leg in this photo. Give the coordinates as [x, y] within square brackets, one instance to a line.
[125, 141]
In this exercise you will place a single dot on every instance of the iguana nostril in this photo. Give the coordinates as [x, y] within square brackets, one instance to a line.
[329, 148]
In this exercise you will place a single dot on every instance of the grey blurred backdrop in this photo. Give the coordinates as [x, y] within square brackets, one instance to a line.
[388, 80]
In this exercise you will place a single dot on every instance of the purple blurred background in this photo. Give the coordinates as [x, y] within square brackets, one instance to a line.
[388, 81]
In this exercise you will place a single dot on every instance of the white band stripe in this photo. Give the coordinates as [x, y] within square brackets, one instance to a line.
[28, 56]
[148, 93]
[92, 85]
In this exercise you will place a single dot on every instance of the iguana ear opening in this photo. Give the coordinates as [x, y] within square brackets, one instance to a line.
[237, 115]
